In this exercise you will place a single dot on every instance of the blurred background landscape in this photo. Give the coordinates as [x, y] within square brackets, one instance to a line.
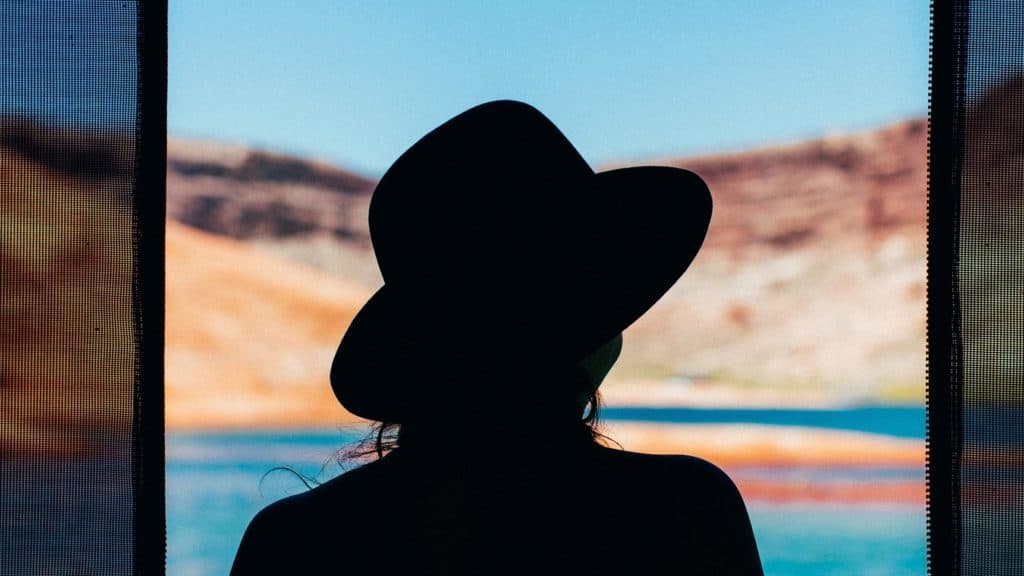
[269, 257]
[792, 353]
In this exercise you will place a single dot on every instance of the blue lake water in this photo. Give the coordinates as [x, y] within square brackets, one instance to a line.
[902, 421]
[214, 489]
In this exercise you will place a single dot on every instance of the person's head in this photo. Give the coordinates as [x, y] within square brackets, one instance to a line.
[510, 270]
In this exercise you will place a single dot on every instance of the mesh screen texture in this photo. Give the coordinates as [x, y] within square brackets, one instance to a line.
[991, 287]
[68, 355]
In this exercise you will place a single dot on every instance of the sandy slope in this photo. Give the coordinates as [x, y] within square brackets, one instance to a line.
[249, 337]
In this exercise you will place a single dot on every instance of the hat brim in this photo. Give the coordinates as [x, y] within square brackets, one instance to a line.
[647, 225]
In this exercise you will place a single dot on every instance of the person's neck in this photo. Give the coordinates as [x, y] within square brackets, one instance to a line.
[472, 438]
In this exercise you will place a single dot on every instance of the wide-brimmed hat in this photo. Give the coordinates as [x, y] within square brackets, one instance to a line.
[504, 254]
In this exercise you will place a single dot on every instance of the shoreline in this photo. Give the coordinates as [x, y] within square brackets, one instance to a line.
[767, 446]
[764, 461]
[744, 451]
[760, 492]
[726, 445]
[751, 454]
[656, 394]
[312, 407]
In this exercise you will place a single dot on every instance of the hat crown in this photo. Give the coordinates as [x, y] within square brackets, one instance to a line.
[477, 200]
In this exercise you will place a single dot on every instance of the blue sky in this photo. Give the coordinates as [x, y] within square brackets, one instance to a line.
[357, 83]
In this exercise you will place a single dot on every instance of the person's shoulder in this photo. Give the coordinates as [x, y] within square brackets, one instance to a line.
[701, 470]
[675, 477]
[291, 528]
[699, 507]
[672, 464]
[266, 541]
[345, 490]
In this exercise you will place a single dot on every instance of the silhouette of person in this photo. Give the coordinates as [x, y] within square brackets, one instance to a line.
[510, 271]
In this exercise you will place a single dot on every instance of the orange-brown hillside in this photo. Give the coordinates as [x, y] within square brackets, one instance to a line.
[810, 285]
[250, 337]
[808, 242]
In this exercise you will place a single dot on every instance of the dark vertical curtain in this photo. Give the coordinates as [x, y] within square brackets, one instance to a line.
[976, 283]
[82, 139]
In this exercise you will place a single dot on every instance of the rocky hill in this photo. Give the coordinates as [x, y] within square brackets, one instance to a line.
[248, 194]
[813, 273]
[305, 210]
[808, 242]
[810, 287]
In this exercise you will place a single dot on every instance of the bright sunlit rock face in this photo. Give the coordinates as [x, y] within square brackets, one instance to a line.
[250, 337]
